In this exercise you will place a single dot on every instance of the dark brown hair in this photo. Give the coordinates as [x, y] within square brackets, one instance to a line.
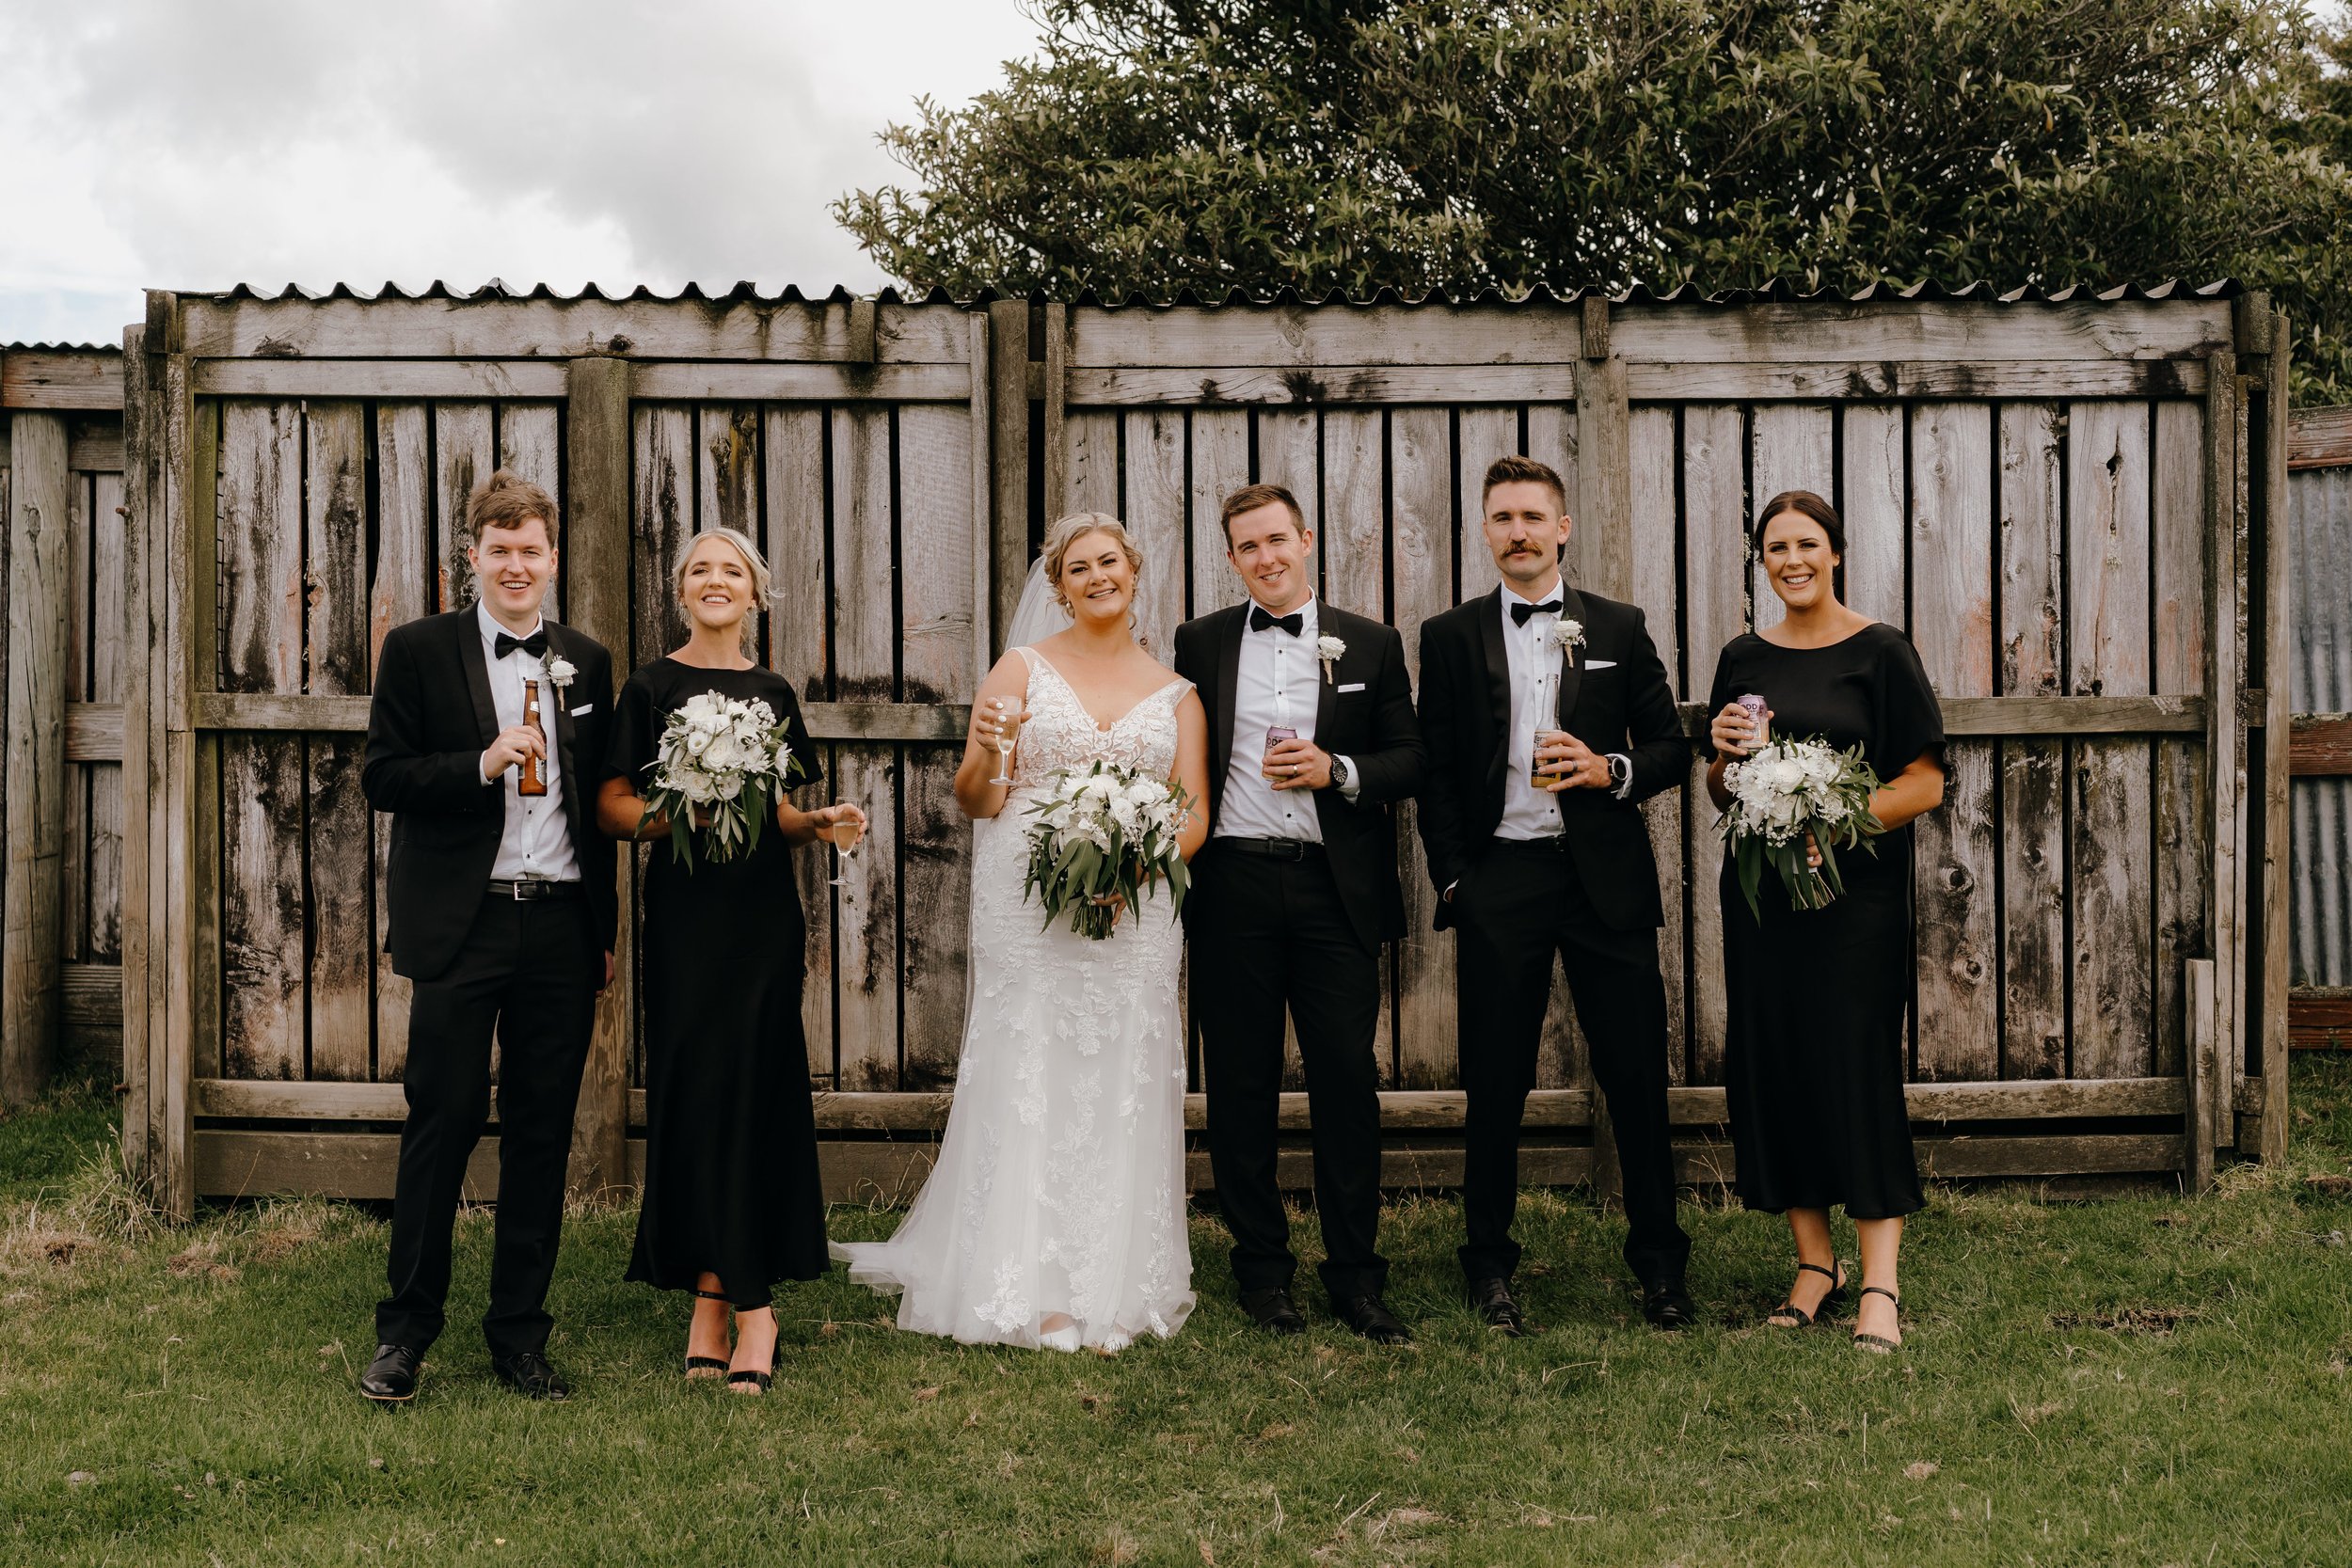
[506, 499]
[1515, 469]
[1251, 496]
[1804, 503]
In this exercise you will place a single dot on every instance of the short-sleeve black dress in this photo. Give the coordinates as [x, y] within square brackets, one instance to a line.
[1814, 1057]
[731, 1182]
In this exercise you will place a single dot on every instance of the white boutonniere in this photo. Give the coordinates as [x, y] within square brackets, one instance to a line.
[1328, 649]
[1569, 636]
[558, 671]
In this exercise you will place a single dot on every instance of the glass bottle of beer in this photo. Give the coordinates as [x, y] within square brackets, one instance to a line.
[533, 780]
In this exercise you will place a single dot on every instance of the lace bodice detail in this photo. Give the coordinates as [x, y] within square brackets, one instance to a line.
[1062, 733]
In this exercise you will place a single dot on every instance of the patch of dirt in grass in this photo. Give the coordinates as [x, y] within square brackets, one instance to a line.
[2328, 1186]
[202, 1260]
[2128, 1319]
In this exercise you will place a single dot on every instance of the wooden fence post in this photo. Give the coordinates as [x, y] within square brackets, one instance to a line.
[597, 542]
[40, 512]
[140, 1125]
[1008, 457]
[2276, 859]
[2225, 756]
[183, 853]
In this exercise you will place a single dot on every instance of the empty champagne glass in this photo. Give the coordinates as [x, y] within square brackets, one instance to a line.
[845, 839]
[1004, 747]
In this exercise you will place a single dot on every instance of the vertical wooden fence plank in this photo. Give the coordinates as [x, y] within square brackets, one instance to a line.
[1154, 515]
[938, 537]
[2107, 555]
[597, 534]
[141, 459]
[865, 657]
[261, 913]
[336, 839]
[663, 436]
[1714, 609]
[1483, 433]
[107, 658]
[2225, 673]
[2033, 772]
[397, 590]
[1091, 463]
[727, 464]
[2271, 457]
[1957, 888]
[1651, 522]
[1007, 361]
[2184, 800]
[1794, 447]
[531, 443]
[1552, 438]
[464, 452]
[1220, 466]
[40, 504]
[74, 778]
[798, 638]
[1874, 507]
[1421, 584]
[1288, 442]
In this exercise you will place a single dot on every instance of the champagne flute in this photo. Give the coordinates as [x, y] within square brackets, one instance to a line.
[1004, 746]
[846, 835]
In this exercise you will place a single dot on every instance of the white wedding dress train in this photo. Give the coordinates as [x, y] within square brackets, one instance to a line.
[1058, 1195]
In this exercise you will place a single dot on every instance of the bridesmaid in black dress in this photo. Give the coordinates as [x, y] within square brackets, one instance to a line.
[1814, 1059]
[732, 1202]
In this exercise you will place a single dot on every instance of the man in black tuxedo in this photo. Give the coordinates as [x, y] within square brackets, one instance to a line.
[503, 913]
[1536, 849]
[1311, 736]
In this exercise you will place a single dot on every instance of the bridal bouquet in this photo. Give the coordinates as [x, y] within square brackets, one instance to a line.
[1787, 789]
[728, 760]
[1108, 833]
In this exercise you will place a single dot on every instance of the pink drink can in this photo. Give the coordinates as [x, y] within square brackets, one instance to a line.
[1754, 704]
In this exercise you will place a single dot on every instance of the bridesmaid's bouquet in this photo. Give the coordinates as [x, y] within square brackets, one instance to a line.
[1787, 789]
[1103, 834]
[725, 761]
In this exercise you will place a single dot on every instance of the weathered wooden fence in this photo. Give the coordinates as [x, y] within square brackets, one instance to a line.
[2068, 503]
[2320, 461]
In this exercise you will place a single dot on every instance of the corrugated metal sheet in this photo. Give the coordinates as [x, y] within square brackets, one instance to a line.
[2320, 513]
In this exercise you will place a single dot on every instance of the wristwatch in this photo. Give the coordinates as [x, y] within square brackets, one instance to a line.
[1620, 771]
[1339, 772]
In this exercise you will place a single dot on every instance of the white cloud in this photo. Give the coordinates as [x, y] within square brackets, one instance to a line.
[156, 143]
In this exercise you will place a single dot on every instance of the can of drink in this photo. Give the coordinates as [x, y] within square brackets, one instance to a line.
[1275, 735]
[1754, 704]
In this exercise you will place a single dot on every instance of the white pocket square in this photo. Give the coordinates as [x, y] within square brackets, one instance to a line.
[1600, 664]
[584, 709]
[1353, 686]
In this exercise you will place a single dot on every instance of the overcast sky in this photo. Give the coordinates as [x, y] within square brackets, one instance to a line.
[171, 144]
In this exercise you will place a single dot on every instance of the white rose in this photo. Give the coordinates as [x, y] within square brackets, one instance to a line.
[729, 786]
[696, 742]
[695, 786]
[721, 754]
[1788, 775]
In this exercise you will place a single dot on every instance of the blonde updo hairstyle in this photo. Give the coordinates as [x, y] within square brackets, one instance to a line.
[763, 593]
[1068, 531]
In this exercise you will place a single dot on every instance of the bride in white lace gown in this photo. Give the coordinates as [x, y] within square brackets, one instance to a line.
[1054, 1215]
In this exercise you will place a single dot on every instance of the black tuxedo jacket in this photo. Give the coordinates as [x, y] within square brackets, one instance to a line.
[430, 720]
[1626, 706]
[1372, 727]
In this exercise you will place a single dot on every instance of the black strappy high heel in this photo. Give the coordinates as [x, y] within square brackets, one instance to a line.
[699, 1366]
[1878, 1344]
[758, 1383]
[1829, 1298]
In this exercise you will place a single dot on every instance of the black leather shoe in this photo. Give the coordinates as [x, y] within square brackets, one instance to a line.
[1669, 1307]
[1369, 1316]
[392, 1377]
[1273, 1310]
[1493, 1298]
[530, 1376]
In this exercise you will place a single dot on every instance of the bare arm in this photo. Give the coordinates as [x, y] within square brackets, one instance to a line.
[621, 812]
[1191, 772]
[1917, 789]
[806, 827]
[1009, 683]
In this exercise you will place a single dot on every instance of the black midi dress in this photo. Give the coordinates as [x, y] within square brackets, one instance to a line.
[731, 1182]
[1815, 1053]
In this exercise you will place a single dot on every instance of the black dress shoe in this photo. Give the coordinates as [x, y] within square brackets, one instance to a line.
[530, 1376]
[1493, 1298]
[1669, 1307]
[1274, 1311]
[1369, 1316]
[392, 1377]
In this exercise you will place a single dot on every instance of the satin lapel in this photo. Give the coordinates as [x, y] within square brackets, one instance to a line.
[469, 654]
[566, 752]
[1228, 693]
[1326, 687]
[1571, 670]
[1497, 679]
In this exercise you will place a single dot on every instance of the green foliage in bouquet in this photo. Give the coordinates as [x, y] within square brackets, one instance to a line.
[1103, 834]
[1784, 791]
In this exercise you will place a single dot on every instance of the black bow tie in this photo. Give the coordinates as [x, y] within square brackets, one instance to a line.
[535, 644]
[1260, 621]
[1521, 609]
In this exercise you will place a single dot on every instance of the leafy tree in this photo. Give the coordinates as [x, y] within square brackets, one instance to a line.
[1154, 146]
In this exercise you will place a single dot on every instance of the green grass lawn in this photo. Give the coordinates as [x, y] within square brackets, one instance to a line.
[2136, 1380]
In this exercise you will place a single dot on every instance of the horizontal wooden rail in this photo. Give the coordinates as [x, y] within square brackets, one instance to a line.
[2320, 438]
[2319, 1018]
[264, 711]
[2041, 716]
[763, 383]
[2321, 745]
[48, 379]
[539, 378]
[1401, 1111]
[95, 452]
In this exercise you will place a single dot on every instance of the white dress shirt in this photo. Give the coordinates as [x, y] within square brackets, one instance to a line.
[1277, 686]
[1528, 812]
[536, 842]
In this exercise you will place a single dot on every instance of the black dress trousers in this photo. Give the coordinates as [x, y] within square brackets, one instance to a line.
[1275, 939]
[1516, 906]
[528, 972]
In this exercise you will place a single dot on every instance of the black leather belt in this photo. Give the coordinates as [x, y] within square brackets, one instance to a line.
[1276, 848]
[1554, 842]
[530, 890]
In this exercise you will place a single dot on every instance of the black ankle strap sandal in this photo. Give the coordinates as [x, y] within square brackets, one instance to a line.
[1879, 1343]
[1799, 1316]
